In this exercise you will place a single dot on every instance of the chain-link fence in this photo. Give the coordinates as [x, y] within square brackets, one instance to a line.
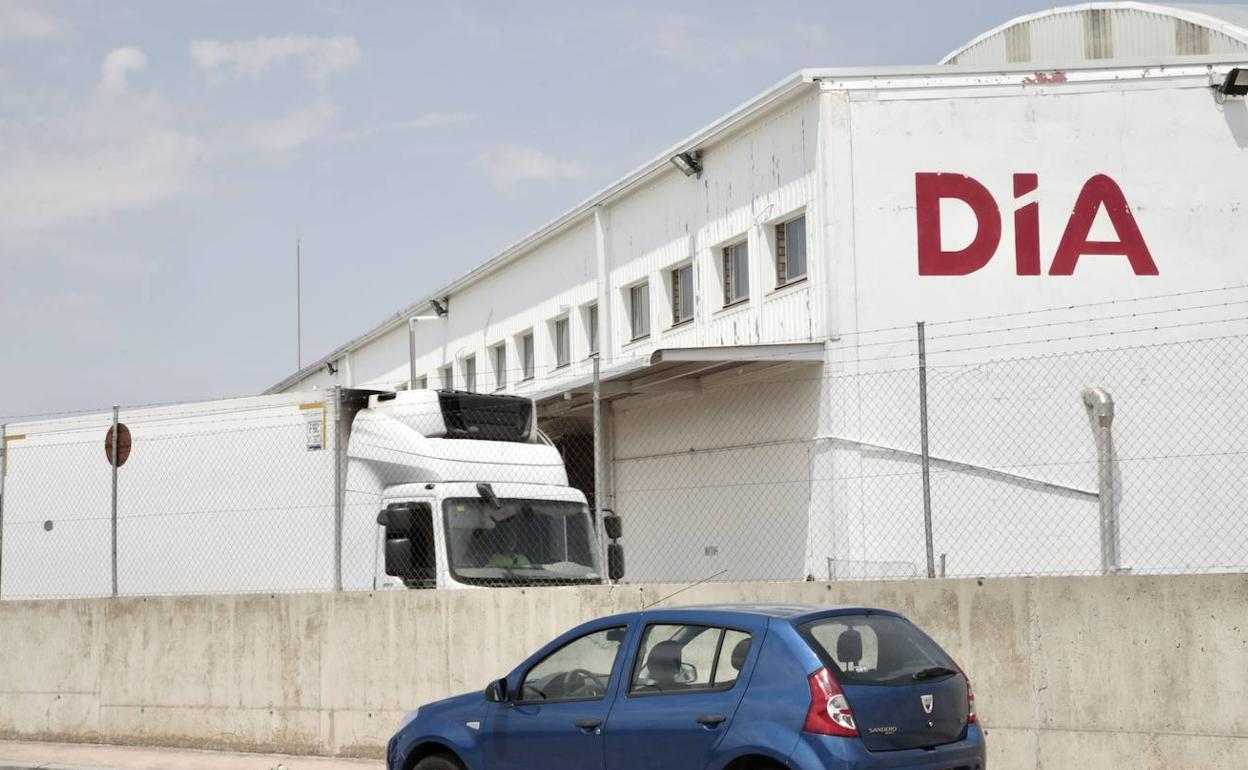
[1067, 461]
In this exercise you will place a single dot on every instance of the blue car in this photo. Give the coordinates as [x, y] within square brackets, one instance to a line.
[732, 687]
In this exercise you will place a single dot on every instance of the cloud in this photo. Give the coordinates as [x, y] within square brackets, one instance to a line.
[49, 189]
[510, 165]
[317, 56]
[294, 129]
[117, 66]
[428, 120]
[693, 42]
[116, 152]
[26, 20]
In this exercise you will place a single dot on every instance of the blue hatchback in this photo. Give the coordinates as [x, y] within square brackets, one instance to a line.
[732, 687]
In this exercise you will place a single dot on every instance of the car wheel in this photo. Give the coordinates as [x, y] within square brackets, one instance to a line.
[437, 762]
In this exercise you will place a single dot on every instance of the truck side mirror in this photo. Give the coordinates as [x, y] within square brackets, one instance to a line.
[401, 558]
[613, 525]
[615, 561]
[496, 692]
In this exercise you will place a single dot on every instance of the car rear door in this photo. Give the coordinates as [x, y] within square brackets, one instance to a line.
[686, 679]
[555, 718]
[904, 691]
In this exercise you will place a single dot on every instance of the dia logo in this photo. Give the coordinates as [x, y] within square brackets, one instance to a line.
[1098, 192]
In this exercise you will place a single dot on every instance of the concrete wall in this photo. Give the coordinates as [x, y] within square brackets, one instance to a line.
[1140, 672]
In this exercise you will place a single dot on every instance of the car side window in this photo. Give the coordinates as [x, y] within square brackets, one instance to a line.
[579, 670]
[681, 658]
[731, 659]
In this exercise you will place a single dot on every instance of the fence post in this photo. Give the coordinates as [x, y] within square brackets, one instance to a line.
[339, 456]
[926, 458]
[4, 471]
[115, 455]
[598, 474]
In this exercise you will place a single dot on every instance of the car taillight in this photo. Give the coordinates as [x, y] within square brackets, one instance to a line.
[970, 701]
[829, 712]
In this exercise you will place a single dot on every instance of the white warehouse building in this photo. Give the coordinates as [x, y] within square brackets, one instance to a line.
[751, 295]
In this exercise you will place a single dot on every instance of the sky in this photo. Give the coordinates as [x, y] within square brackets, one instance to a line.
[158, 160]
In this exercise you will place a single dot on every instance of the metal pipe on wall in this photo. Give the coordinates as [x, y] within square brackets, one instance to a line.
[1100, 407]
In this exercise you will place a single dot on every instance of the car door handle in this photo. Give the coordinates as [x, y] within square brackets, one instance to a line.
[588, 724]
[711, 720]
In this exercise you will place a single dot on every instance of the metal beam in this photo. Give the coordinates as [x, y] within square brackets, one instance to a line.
[796, 351]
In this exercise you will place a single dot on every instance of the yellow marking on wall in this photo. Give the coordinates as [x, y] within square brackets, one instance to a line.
[4, 454]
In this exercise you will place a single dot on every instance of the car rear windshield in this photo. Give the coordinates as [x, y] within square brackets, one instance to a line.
[877, 650]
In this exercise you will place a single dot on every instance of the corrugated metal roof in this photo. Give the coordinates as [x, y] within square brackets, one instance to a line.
[1236, 15]
[1110, 31]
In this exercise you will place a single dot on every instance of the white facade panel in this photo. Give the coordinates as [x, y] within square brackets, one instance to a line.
[813, 471]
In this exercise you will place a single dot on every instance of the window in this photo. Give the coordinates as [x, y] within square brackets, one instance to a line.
[591, 325]
[688, 658]
[877, 650]
[526, 356]
[579, 670]
[682, 294]
[447, 375]
[791, 251]
[639, 310]
[563, 343]
[499, 355]
[736, 273]
[470, 374]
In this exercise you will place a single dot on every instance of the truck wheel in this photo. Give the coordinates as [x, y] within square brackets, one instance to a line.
[438, 762]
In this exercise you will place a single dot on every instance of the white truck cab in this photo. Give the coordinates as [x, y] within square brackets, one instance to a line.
[462, 490]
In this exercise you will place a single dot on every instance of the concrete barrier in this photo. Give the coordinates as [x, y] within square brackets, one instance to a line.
[1139, 672]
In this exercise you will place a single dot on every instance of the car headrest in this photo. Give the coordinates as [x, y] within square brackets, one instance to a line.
[739, 652]
[849, 646]
[663, 662]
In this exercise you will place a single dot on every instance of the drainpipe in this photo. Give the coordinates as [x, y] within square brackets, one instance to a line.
[1100, 407]
[411, 347]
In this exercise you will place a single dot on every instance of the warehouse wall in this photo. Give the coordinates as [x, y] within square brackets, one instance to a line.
[1141, 672]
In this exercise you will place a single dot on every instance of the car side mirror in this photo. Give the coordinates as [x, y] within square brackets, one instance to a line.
[613, 525]
[496, 692]
[615, 561]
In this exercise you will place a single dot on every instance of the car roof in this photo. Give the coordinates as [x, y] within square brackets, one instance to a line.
[793, 613]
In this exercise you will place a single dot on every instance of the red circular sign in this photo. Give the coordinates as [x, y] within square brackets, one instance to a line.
[123, 445]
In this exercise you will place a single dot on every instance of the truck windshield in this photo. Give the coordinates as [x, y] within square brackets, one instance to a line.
[520, 541]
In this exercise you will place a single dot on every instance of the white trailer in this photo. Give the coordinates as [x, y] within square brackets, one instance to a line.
[292, 492]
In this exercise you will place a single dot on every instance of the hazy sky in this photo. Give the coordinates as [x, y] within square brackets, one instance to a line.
[158, 158]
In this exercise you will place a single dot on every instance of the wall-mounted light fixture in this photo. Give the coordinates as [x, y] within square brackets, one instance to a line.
[689, 162]
[439, 306]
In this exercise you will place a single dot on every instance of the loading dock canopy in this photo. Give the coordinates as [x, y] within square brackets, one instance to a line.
[676, 369]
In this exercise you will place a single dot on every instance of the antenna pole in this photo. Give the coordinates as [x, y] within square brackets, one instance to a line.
[298, 303]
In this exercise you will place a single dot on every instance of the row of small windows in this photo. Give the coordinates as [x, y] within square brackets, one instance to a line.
[561, 337]
[788, 246]
[789, 251]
